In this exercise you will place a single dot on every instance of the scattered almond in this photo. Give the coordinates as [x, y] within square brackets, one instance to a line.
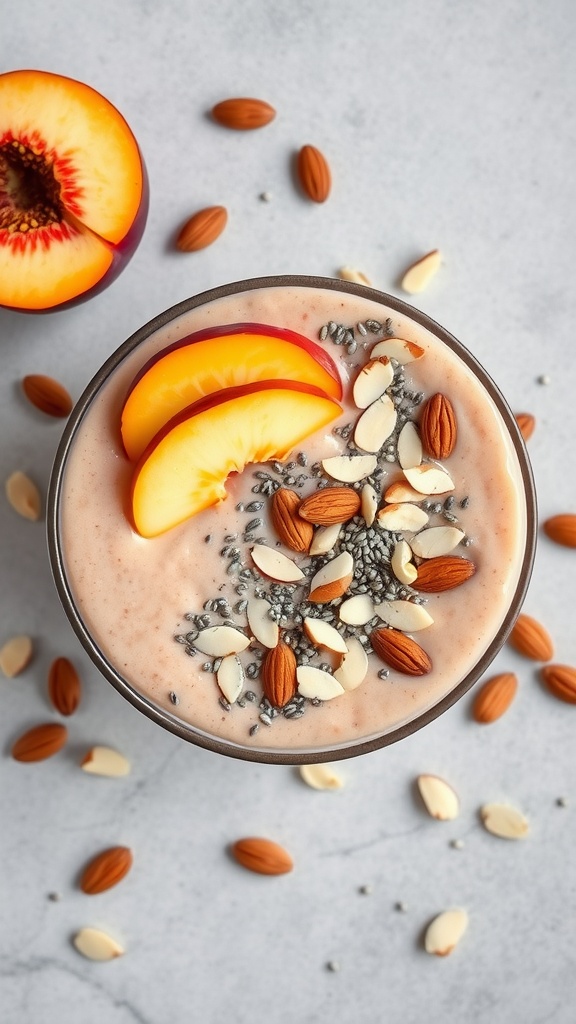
[39, 743]
[314, 174]
[443, 573]
[438, 427]
[330, 505]
[526, 424]
[230, 678]
[562, 529]
[105, 761]
[294, 531]
[333, 579]
[561, 681]
[400, 652]
[202, 229]
[106, 870]
[23, 495]
[444, 933]
[316, 684]
[494, 697]
[218, 641]
[47, 395]
[504, 821]
[419, 274]
[275, 565]
[243, 113]
[530, 639]
[95, 944]
[440, 800]
[64, 688]
[320, 776]
[262, 856]
[356, 276]
[279, 675]
[15, 655]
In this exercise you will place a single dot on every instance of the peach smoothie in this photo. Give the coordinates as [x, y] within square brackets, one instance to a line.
[293, 519]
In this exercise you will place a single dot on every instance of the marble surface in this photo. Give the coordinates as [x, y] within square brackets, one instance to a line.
[447, 125]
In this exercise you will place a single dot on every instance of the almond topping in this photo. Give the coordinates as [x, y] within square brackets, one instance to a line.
[218, 641]
[296, 533]
[561, 681]
[504, 821]
[357, 610]
[95, 944]
[330, 505]
[105, 761]
[47, 395]
[443, 573]
[440, 800]
[530, 639]
[279, 675]
[324, 635]
[400, 652]
[39, 743]
[316, 684]
[402, 516]
[526, 424]
[325, 538]
[349, 469]
[369, 504]
[320, 776]
[314, 174]
[438, 427]
[243, 113]
[495, 697]
[15, 655]
[353, 668]
[64, 688]
[404, 615]
[420, 273]
[399, 349]
[275, 565]
[375, 425]
[436, 540]
[444, 933]
[106, 870]
[562, 529]
[24, 496]
[333, 579]
[202, 229]
[429, 479]
[401, 562]
[230, 678]
[374, 377]
[409, 446]
[265, 630]
[400, 491]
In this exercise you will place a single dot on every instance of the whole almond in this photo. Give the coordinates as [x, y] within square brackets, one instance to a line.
[561, 681]
[40, 742]
[106, 870]
[494, 697]
[330, 505]
[296, 533]
[314, 174]
[530, 639]
[562, 529]
[443, 573]
[243, 113]
[526, 424]
[262, 856]
[47, 394]
[400, 652]
[438, 427]
[202, 229]
[279, 675]
[64, 688]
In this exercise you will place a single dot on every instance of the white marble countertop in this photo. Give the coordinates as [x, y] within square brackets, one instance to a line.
[447, 125]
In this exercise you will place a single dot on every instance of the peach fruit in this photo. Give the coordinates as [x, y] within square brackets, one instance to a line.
[210, 360]
[73, 191]
[185, 467]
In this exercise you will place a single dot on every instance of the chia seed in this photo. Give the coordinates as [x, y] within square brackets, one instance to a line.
[174, 698]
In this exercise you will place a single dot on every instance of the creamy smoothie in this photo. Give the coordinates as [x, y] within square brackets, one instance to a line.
[421, 621]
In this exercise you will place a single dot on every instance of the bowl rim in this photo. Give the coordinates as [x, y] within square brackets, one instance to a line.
[163, 716]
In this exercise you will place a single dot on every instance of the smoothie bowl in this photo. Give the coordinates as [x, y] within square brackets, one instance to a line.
[292, 520]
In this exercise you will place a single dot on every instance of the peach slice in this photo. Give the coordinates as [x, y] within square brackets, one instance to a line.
[73, 191]
[185, 467]
[211, 360]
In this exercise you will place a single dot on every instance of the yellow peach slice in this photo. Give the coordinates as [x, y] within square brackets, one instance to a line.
[185, 468]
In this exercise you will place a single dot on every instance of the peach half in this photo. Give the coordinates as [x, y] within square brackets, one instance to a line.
[73, 191]
[214, 359]
[185, 467]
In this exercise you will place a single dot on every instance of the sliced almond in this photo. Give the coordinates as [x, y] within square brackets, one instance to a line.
[323, 634]
[333, 579]
[504, 821]
[369, 506]
[316, 684]
[402, 516]
[375, 425]
[24, 496]
[230, 678]
[400, 491]
[404, 615]
[320, 776]
[356, 276]
[375, 376]
[436, 540]
[15, 655]
[353, 668]
[219, 641]
[444, 933]
[409, 446]
[264, 629]
[440, 800]
[275, 565]
[105, 761]
[399, 349]
[429, 479]
[349, 469]
[419, 274]
[402, 566]
[357, 610]
[325, 539]
[95, 944]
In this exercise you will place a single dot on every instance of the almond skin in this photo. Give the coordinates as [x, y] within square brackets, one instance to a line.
[531, 640]
[526, 424]
[64, 688]
[243, 113]
[330, 591]
[330, 505]
[202, 229]
[562, 529]
[262, 856]
[106, 870]
[443, 573]
[39, 743]
[561, 681]
[296, 533]
[279, 675]
[400, 652]
[314, 174]
[47, 395]
[494, 697]
[438, 427]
